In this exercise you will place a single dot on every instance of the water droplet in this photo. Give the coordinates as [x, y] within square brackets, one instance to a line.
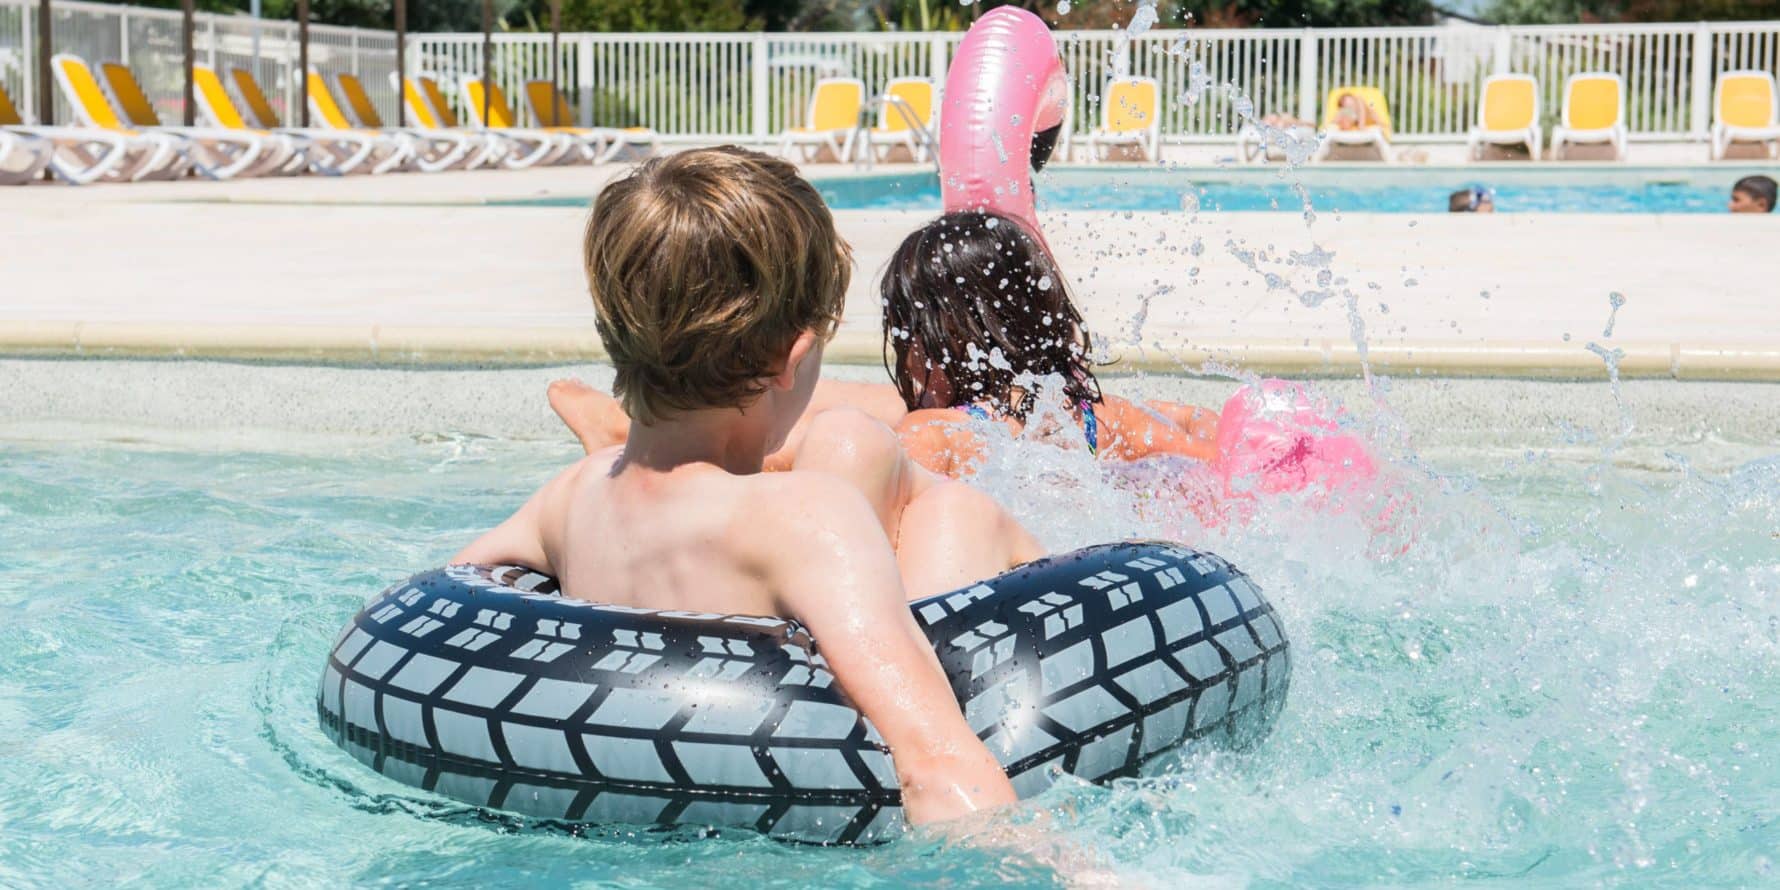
[1063, 7]
[1044, 283]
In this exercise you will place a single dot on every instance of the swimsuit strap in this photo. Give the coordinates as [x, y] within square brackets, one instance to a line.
[976, 411]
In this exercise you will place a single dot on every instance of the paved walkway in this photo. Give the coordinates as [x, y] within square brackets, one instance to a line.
[417, 268]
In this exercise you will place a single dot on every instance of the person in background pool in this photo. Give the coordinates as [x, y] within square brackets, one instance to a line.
[1471, 200]
[1753, 194]
[973, 306]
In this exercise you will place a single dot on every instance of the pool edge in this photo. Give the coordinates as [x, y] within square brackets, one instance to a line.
[439, 346]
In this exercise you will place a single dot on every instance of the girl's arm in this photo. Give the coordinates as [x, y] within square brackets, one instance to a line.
[1130, 432]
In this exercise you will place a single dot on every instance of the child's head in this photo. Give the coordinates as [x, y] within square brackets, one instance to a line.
[706, 267]
[971, 302]
[1753, 194]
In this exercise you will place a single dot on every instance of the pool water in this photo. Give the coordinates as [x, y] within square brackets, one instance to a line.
[1564, 669]
[1547, 188]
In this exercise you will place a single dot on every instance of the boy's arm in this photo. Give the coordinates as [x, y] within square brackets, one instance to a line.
[835, 572]
[520, 540]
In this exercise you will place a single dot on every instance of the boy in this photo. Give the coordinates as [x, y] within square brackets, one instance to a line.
[1753, 194]
[717, 276]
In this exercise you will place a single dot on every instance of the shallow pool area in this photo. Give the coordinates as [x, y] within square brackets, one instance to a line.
[1559, 667]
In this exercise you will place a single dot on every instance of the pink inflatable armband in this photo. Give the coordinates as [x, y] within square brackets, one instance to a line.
[1274, 440]
[1006, 85]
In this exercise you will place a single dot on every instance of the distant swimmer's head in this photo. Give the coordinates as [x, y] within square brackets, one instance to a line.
[1471, 200]
[973, 301]
[716, 276]
[1753, 194]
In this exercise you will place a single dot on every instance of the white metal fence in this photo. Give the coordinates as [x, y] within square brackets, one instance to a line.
[751, 86]
[148, 40]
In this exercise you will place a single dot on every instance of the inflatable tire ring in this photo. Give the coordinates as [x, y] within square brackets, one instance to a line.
[484, 685]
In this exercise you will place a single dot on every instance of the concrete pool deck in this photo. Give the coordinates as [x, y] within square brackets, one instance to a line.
[421, 270]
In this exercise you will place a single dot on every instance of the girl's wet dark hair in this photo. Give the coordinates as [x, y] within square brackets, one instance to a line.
[971, 302]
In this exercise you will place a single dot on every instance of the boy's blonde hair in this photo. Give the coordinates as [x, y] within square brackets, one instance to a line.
[704, 266]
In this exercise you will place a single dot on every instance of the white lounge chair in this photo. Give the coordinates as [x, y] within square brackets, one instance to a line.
[1594, 114]
[76, 155]
[1130, 115]
[151, 154]
[1507, 115]
[553, 113]
[831, 122]
[547, 147]
[426, 103]
[1745, 108]
[220, 112]
[905, 117]
[328, 151]
[391, 151]
[215, 153]
[1372, 130]
[433, 149]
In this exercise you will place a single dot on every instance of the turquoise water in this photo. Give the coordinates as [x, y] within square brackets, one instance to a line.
[1403, 190]
[1563, 670]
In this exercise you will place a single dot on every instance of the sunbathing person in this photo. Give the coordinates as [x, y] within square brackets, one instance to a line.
[718, 277]
[1354, 113]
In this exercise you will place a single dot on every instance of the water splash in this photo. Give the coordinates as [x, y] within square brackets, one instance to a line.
[1142, 20]
[1616, 300]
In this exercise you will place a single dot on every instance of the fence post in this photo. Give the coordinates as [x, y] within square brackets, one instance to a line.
[123, 35]
[1702, 81]
[354, 52]
[1307, 76]
[758, 60]
[46, 92]
[28, 72]
[1503, 60]
[584, 76]
[936, 60]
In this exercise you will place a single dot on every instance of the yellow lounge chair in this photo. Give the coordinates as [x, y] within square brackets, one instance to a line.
[431, 112]
[215, 153]
[391, 151]
[77, 155]
[905, 117]
[553, 147]
[832, 121]
[1508, 114]
[1130, 114]
[215, 107]
[1594, 114]
[433, 149]
[553, 113]
[327, 151]
[151, 155]
[1745, 108]
[1375, 134]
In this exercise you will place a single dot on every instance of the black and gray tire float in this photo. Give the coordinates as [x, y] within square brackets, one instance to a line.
[484, 685]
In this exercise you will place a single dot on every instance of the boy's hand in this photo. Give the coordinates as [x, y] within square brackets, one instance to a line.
[837, 574]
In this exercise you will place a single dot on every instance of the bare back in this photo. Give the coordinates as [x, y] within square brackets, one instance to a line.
[661, 540]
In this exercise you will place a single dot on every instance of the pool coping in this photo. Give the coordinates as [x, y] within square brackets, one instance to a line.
[411, 346]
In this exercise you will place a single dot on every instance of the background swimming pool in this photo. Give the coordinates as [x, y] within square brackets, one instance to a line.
[1546, 188]
[1570, 674]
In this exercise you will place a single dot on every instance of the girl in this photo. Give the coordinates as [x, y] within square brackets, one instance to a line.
[976, 311]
